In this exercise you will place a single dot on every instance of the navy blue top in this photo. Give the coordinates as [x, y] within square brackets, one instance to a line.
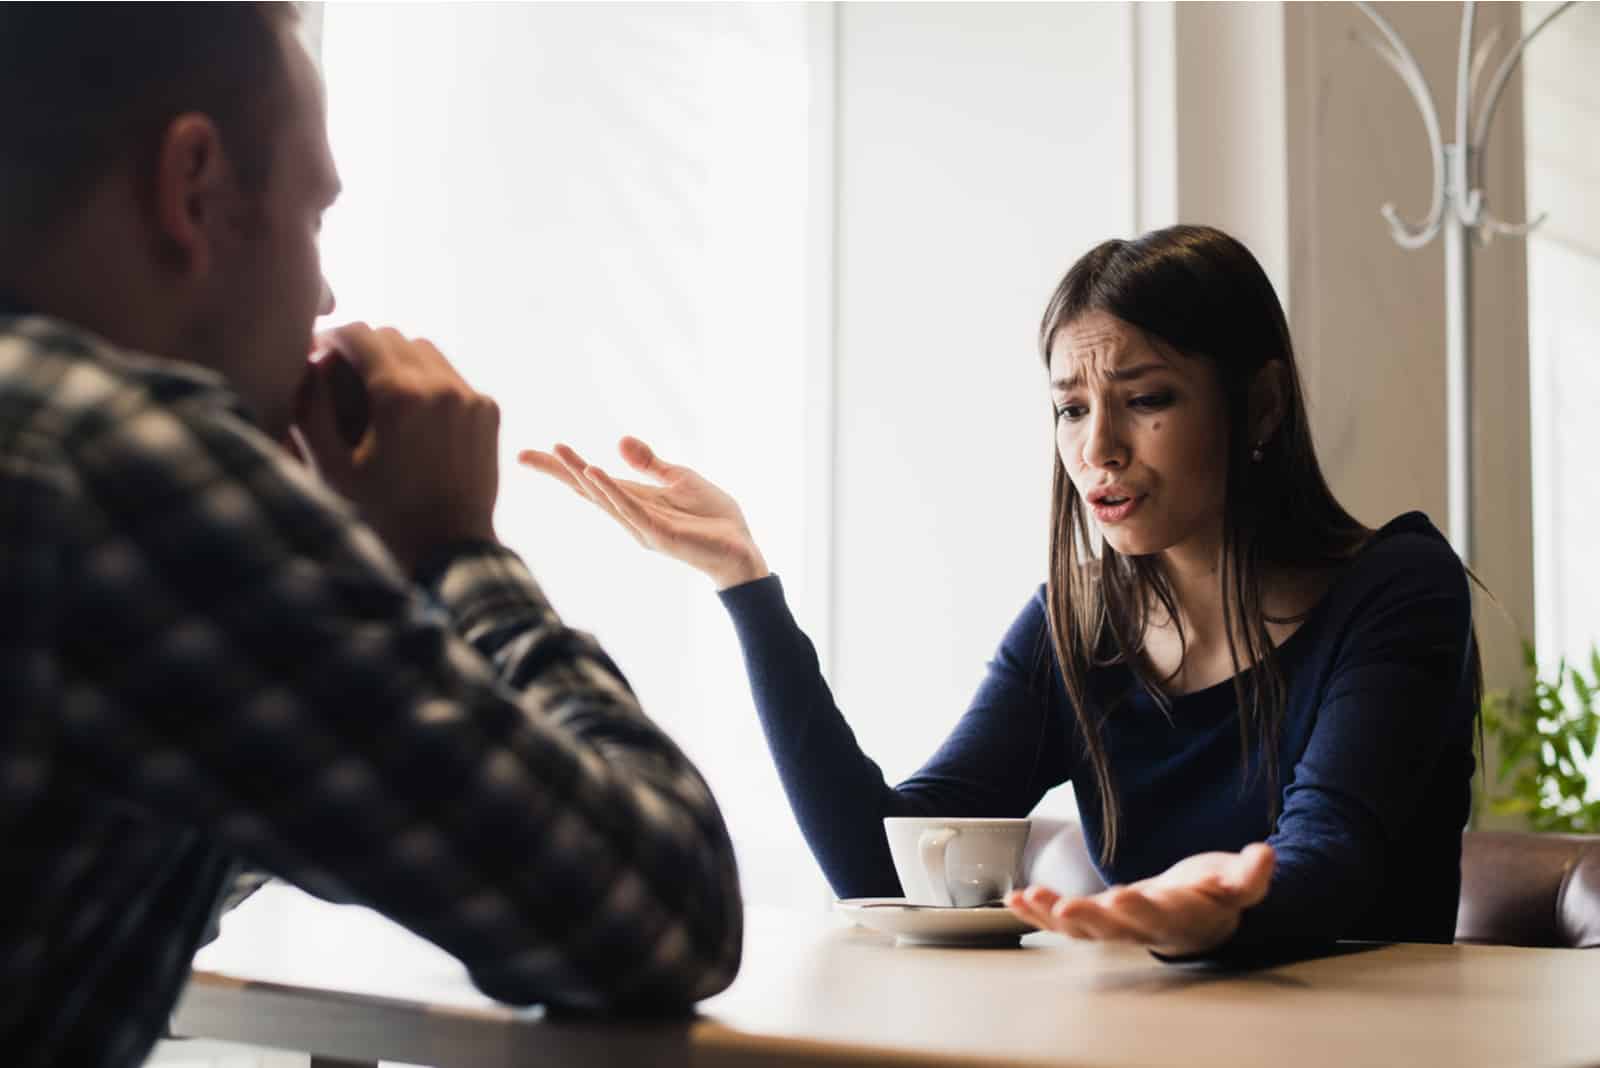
[1375, 764]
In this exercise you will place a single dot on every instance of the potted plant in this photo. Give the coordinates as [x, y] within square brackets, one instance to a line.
[1545, 732]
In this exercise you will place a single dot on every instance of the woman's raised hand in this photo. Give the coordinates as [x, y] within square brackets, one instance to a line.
[683, 516]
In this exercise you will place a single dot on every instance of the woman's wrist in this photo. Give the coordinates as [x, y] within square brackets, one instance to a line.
[747, 567]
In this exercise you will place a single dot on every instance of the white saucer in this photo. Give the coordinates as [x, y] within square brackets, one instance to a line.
[923, 926]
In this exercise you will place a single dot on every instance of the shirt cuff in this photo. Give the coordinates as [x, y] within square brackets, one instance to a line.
[440, 559]
[754, 598]
[484, 586]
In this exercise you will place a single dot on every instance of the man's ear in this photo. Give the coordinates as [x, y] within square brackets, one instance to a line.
[194, 184]
[1269, 400]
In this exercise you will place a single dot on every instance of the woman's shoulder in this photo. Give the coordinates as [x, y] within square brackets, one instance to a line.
[1408, 545]
[1030, 643]
[1089, 572]
[1035, 615]
[1406, 560]
[1033, 622]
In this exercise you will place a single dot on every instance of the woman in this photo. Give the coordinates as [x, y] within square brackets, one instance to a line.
[1266, 709]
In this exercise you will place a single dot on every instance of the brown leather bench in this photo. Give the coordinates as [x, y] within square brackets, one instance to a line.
[1517, 889]
[1522, 889]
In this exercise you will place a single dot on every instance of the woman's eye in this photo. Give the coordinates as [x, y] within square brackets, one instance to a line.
[1151, 401]
[1070, 411]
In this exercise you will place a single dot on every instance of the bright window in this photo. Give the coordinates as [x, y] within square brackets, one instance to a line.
[600, 213]
[1560, 116]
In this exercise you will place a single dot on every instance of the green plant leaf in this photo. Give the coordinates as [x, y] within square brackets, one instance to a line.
[1587, 732]
[1546, 735]
[1583, 690]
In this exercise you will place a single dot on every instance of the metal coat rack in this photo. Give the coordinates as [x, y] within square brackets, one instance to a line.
[1459, 209]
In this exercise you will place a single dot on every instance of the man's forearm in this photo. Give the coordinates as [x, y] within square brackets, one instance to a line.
[683, 858]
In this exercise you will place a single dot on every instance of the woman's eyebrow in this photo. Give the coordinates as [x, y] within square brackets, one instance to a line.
[1117, 374]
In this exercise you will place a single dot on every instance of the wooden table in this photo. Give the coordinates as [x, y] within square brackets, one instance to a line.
[348, 986]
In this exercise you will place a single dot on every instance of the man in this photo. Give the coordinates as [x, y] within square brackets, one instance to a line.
[212, 659]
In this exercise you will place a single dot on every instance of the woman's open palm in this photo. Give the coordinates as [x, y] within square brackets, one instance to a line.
[682, 515]
[1192, 907]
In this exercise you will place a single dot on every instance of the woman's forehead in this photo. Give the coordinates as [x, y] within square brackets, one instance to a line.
[1095, 344]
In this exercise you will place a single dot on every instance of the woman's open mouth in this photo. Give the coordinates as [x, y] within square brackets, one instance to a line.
[1115, 509]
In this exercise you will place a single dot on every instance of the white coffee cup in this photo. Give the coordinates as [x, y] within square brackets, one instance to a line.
[956, 861]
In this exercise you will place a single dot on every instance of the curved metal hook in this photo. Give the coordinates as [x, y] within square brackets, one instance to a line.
[1403, 63]
[1480, 57]
[1497, 84]
[1468, 202]
[1480, 132]
[1492, 227]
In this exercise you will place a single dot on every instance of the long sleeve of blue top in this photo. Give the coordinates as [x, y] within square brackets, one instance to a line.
[1374, 756]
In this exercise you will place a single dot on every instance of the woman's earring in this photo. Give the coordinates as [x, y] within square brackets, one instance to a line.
[1256, 453]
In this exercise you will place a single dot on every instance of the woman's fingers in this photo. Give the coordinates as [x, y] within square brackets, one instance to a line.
[569, 456]
[1024, 904]
[1145, 920]
[547, 464]
[1038, 905]
[574, 466]
[623, 503]
[642, 457]
[1120, 914]
[578, 472]
[1040, 898]
[1095, 919]
[580, 467]
[1033, 906]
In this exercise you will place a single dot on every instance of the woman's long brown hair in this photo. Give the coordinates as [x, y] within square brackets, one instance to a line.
[1200, 292]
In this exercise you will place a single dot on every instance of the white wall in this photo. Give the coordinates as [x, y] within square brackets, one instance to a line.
[1368, 315]
[1231, 127]
[981, 149]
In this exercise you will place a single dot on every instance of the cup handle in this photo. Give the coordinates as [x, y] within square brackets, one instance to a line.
[931, 847]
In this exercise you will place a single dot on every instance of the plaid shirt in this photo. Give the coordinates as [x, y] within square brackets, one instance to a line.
[211, 661]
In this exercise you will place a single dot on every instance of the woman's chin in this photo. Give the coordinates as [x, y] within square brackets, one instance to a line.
[1126, 542]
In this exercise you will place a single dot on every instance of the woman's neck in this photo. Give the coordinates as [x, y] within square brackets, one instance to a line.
[1203, 657]
[1194, 573]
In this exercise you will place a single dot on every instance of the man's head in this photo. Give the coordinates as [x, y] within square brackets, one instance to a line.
[163, 173]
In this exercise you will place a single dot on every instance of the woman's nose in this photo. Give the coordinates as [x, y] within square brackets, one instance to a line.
[1103, 446]
[326, 305]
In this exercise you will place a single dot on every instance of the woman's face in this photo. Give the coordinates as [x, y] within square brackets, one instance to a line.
[1142, 432]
